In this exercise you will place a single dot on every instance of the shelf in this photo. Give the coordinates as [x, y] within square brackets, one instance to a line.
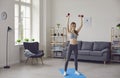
[115, 57]
[115, 61]
[57, 42]
[57, 50]
[58, 37]
[58, 57]
[58, 54]
[115, 47]
[116, 53]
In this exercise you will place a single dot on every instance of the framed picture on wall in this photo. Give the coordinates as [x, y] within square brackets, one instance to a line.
[87, 21]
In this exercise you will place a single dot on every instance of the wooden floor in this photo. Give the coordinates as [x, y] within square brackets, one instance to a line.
[50, 69]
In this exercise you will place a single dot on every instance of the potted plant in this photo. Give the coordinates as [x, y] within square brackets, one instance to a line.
[18, 41]
[58, 25]
[118, 26]
[33, 39]
[26, 39]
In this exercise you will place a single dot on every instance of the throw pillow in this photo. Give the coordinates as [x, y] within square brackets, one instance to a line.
[87, 45]
[28, 53]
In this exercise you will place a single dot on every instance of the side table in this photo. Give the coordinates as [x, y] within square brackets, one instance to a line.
[115, 57]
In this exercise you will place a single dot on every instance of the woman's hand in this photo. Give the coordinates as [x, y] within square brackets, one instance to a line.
[68, 15]
[81, 21]
[81, 16]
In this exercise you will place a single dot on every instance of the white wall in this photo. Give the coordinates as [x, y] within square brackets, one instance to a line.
[15, 51]
[35, 20]
[104, 14]
[8, 6]
[45, 23]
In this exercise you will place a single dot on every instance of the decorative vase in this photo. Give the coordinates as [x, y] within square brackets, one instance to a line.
[54, 34]
[61, 34]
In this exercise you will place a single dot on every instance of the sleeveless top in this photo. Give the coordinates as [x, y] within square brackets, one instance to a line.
[72, 36]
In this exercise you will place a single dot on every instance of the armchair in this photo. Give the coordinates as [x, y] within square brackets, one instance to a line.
[33, 47]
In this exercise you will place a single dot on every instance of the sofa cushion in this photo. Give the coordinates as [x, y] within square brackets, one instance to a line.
[98, 46]
[87, 45]
[106, 50]
[96, 53]
[83, 52]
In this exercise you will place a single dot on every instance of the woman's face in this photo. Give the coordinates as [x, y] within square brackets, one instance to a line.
[73, 26]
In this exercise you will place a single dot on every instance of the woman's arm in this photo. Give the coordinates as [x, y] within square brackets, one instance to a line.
[81, 21]
[68, 30]
[68, 17]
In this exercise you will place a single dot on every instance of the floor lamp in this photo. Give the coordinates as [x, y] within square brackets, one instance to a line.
[7, 66]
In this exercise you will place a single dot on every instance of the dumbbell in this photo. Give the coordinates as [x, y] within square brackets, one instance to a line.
[80, 15]
[68, 14]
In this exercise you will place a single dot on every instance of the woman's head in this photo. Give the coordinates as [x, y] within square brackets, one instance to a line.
[72, 25]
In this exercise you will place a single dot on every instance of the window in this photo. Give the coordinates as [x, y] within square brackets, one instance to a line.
[23, 20]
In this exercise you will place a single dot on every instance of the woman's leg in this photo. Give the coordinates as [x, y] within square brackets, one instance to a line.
[76, 60]
[75, 57]
[68, 57]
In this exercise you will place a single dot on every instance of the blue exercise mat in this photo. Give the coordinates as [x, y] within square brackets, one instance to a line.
[71, 73]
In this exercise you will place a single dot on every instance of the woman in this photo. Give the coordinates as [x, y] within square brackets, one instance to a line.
[73, 42]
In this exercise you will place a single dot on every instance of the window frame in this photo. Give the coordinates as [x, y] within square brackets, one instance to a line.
[19, 3]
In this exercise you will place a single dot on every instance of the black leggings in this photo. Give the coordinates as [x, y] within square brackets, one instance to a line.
[75, 49]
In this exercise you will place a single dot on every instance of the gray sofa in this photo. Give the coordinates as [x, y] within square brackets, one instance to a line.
[95, 51]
